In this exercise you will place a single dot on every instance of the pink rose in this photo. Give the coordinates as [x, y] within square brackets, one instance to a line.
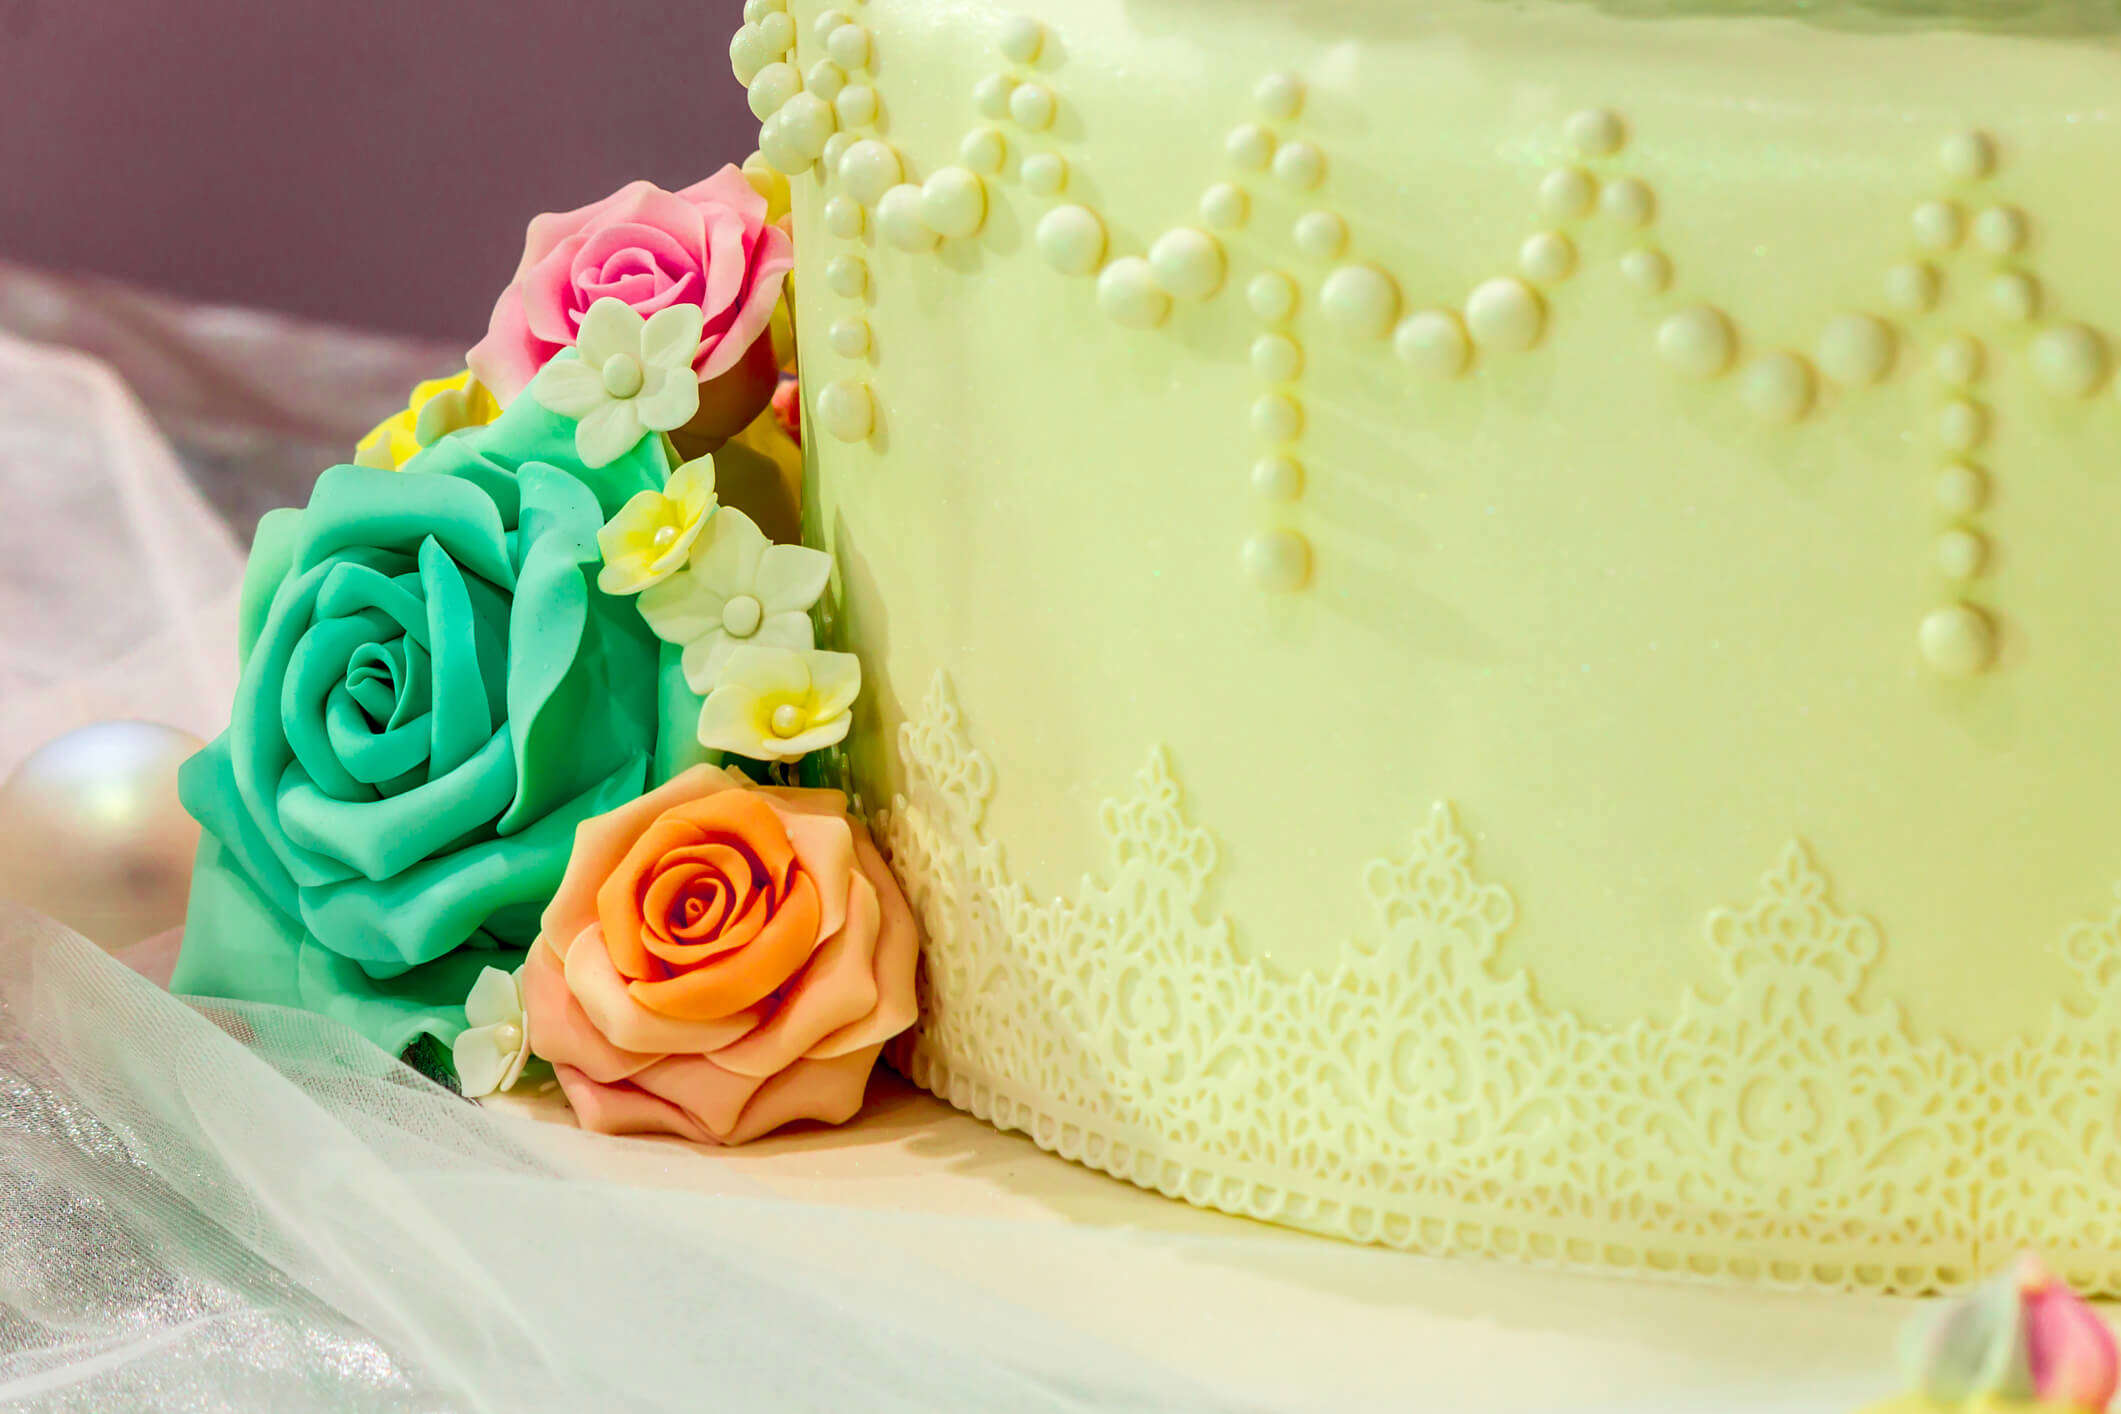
[708, 245]
[721, 959]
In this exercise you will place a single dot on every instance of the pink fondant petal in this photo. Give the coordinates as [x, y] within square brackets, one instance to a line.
[897, 949]
[645, 204]
[710, 1095]
[771, 260]
[606, 997]
[836, 988]
[623, 1109]
[551, 308]
[561, 1032]
[603, 840]
[727, 264]
[547, 231]
[828, 1091]
[731, 188]
[510, 355]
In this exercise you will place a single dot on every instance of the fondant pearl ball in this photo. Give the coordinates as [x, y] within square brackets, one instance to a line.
[1960, 553]
[92, 833]
[1300, 165]
[899, 219]
[1855, 349]
[2070, 360]
[1277, 417]
[747, 54]
[1045, 173]
[1224, 206]
[1129, 295]
[508, 1035]
[1649, 271]
[1595, 132]
[2015, 295]
[742, 615]
[1778, 387]
[856, 105]
[1567, 193]
[1959, 360]
[1939, 225]
[623, 375]
[773, 86]
[1433, 343]
[1071, 239]
[849, 46]
[787, 720]
[1628, 202]
[849, 337]
[1279, 561]
[794, 138]
[1021, 39]
[1548, 257]
[828, 21]
[1699, 342]
[845, 409]
[984, 150]
[1962, 425]
[1278, 478]
[1958, 640]
[1322, 235]
[991, 95]
[869, 169]
[1912, 287]
[755, 10]
[1250, 146]
[1961, 489]
[846, 275]
[1032, 106]
[954, 202]
[2000, 229]
[1276, 358]
[1967, 157]
[835, 148]
[777, 32]
[843, 216]
[1505, 314]
[1360, 300]
[1188, 263]
[1272, 296]
[825, 79]
[1279, 96]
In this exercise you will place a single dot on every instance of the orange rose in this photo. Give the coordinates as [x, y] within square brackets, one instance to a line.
[721, 959]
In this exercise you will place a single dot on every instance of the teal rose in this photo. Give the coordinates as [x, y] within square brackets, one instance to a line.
[434, 693]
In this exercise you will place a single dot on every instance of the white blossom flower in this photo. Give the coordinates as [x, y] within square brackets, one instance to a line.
[776, 704]
[653, 533]
[739, 590]
[492, 1050]
[628, 375]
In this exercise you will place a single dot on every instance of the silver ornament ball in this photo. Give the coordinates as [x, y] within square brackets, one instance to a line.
[92, 833]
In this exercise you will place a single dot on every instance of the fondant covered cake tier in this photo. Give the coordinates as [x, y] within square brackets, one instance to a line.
[1490, 627]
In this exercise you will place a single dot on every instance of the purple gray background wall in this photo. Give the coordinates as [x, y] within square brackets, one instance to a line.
[371, 162]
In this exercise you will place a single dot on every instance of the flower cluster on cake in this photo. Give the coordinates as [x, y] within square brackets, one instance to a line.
[2021, 1342]
[523, 768]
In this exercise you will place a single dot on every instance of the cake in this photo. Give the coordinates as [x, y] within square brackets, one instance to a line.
[1487, 627]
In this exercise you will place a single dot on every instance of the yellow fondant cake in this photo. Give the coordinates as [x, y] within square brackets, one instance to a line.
[1491, 627]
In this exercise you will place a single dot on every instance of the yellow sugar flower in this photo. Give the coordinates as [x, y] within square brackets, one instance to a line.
[651, 537]
[776, 704]
[437, 407]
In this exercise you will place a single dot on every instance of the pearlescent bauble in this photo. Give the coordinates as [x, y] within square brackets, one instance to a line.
[91, 831]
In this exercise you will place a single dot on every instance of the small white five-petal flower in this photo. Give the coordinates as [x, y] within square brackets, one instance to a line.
[739, 589]
[628, 376]
[491, 1052]
[776, 704]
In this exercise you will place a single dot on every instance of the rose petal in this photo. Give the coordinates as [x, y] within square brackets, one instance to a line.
[712, 1097]
[836, 988]
[626, 1025]
[735, 817]
[551, 305]
[770, 260]
[827, 1091]
[748, 976]
[561, 1031]
[623, 1109]
[509, 355]
[601, 842]
[897, 949]
[825, 847]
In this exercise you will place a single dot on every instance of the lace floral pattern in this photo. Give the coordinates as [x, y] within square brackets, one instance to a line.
[1779, 1130]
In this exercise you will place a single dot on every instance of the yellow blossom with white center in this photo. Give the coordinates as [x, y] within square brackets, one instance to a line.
[652, 536]
[738, 589]
[436, 408]
[776, 704]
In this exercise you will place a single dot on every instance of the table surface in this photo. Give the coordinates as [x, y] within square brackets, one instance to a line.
[1292, 1320]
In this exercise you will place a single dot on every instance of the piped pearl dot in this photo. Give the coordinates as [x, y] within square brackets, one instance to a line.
[1628, 202]
[984, 150]
[849, 337]
[2070, 360]
[1277, 417]
[1855, 349]
[1912, 287]
[747, 54]
[777, 31]
[1278, 560]
[1962, 425]
[856, 105]
[1021, 38]
[1505, 314]
[846, 275]
[1958, 641]
[1188, 263]
[742, 615]
[828, 21]
[1961, 489]
[1071, 239]
[1300, 165]
[849, 46]
[954, 202]
[755, 10]
[1958, 360]
[1322, 235]
[846, 410]
[1595, 132]
[508, 1035]
[843, 217]
[1279, 96]
[1224, 206]
[835, 148]
[2000, 230]
[1699, 342]
[1778, 387]
[869, 169]
[1128, 294]
[1967, 157]
[1250, 146]
[825, 79]
[771, 89]
[1939, 225]
[1271, 295]
[1961, 553]
[1433, 343]
[1044, 173]
[1032, 106]
[787, 720]
[2015, 295]
[1649, 271]
[623, 375]
[1547, 258]
[1276, 358]
[1567, 193]
[899, 220]
[1361, 301]
[793, 139]
[991, 95]
[1278, 478]
[665, 536]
